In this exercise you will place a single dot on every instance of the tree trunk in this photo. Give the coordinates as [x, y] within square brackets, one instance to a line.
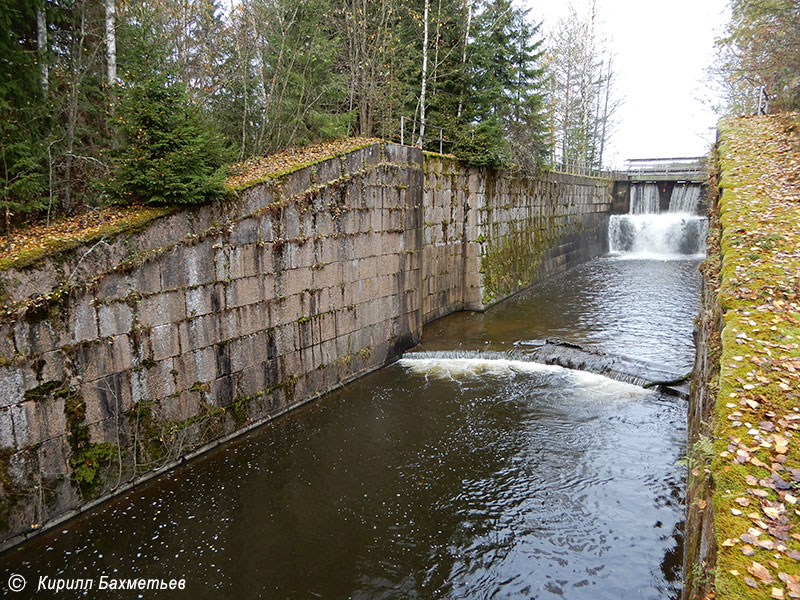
[421, 139]
[111, 42]
[468, 6]
[41, 39]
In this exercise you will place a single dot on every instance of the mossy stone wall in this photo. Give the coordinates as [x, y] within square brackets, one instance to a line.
[121, 358]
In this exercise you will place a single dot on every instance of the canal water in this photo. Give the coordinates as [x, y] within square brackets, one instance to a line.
[444, 478]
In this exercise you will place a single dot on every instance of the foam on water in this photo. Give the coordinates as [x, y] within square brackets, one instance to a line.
[659, 236]
[459, 368]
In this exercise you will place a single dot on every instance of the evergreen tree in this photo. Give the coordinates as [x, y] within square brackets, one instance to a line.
[22, 179]
[504, 108]
[170, 152]
[760, 54]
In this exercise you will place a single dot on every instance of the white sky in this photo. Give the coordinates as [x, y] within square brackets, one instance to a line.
[661, 52]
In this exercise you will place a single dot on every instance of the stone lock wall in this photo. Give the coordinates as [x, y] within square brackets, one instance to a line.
[121, 359]
[488, 235]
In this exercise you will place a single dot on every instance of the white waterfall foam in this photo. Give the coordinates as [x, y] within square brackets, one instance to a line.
[661, 236]
[465, 368]
[644, 198]
[684, 198]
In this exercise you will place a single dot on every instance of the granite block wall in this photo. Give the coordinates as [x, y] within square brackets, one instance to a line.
[124, 357]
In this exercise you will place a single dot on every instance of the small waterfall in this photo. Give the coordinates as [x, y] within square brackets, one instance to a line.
[644, 198]
[646, 232]
[684, 198]
[657, 235]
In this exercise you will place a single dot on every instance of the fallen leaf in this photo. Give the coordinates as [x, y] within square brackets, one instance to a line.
[761, 572]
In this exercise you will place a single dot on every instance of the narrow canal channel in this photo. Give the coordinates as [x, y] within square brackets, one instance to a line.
[444, 478]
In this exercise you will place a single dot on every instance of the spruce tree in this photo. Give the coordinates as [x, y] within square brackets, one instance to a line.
[22, 181]
[170, 153]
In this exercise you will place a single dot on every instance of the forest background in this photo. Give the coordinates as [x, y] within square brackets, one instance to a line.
[151, 101]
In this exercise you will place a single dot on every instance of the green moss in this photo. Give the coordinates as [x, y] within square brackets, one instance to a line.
[88, 461]
[44, 391]
[136, 222]
[759, 333]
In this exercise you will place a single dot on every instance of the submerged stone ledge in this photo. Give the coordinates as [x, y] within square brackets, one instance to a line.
[743, 530]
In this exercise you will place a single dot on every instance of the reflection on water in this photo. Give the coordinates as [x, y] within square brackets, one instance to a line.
[434, 481]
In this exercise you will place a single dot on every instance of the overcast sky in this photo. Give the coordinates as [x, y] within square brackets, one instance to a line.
[662, 50]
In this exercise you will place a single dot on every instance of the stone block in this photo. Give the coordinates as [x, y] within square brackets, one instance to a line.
[291, 222]
[296, 183]
[94, 360]
[327, 171]
[160, 380]
[254, 318]
[82, 320]
[6, 430]
[245, 232]
[222, 264]
[296, 280]
[121, 353]
[115, 319]
[353, 161]
[165, 340]
[198, 301]
[199, 263]
[169, 307]
[265, 225]
[242, 292]
[197, 333]
[115, 285]
[255, 198]
[372, 155]
[174, 274]
[38, 420]
[251, 381]
[107, 398]
[223, 390]
[147, 278]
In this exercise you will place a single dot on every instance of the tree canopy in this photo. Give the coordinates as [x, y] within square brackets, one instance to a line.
[148, 100]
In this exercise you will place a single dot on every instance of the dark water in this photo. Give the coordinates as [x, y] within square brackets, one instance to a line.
[445, 479]
[639, 308]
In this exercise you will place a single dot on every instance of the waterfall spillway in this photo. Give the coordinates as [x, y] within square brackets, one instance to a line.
[646, 232]
[684, 198]
[644, 198]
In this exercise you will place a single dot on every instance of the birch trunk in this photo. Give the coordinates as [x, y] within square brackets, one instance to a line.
[111, 42]
[421, 139]
[41, 40]
[468, 6]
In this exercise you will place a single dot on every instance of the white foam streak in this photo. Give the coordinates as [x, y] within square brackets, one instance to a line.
[465, 368]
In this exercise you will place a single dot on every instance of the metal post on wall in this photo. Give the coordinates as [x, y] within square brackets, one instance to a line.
[402, 131]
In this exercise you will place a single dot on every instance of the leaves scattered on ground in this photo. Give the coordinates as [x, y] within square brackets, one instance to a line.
[36, 240]
[757, 463]
[260, 169]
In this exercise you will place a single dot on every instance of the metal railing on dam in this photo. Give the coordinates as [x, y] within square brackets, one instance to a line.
[690, 169]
